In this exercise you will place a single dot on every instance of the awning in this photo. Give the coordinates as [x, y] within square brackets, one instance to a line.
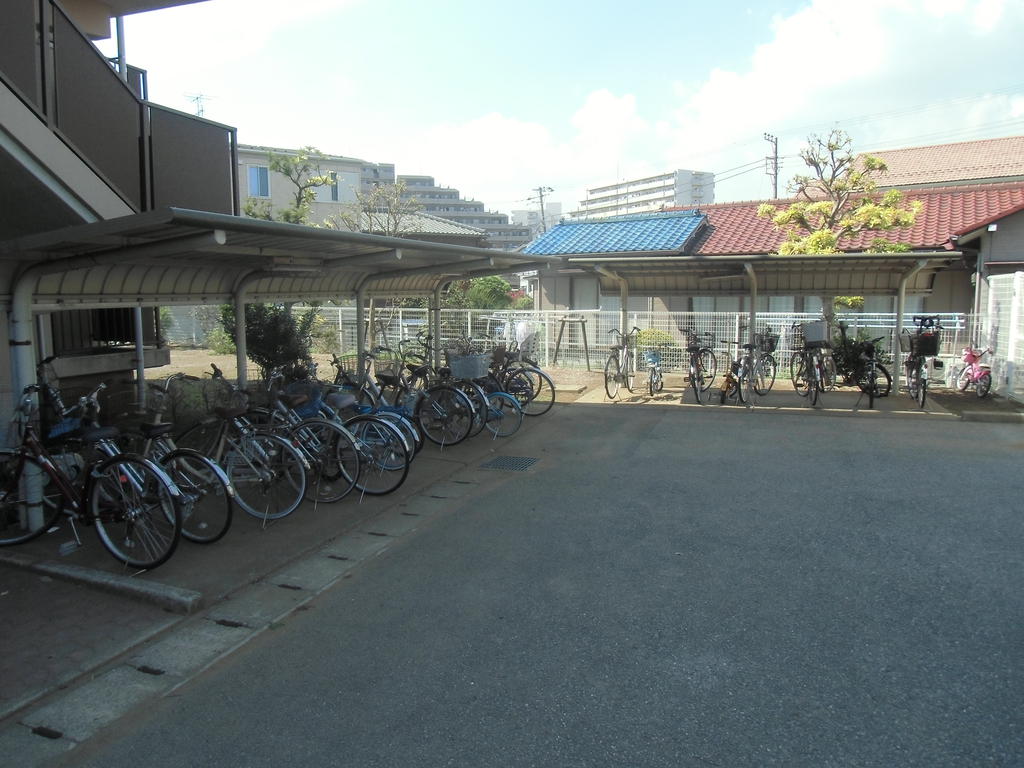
[178, 256]
[793, 275]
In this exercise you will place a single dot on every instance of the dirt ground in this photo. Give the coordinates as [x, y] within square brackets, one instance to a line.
[570, 383]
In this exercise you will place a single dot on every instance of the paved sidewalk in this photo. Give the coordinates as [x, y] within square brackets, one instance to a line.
[67, 615]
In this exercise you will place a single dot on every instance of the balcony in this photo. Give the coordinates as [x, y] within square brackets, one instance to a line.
[149, 156]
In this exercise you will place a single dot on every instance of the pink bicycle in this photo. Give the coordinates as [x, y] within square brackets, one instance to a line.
[975, 373]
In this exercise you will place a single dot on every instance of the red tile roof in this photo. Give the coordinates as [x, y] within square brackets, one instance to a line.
[964, 161]
[734, 228]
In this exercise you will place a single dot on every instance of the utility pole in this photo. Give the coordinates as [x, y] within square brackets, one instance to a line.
[772, 164]
[540, 196]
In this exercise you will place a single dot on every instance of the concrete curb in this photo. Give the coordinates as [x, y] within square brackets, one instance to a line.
[993, 417]
[170, 598]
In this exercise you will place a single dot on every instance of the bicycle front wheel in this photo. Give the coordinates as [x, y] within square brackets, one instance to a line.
[983, 385]
[630, 373]
[133, 505]
[206, 495]
[29, 502]
[797, 374]
[268, 474]
[709, 366]
[612, 377]
[504, 414]
[764, 379]
[696, 378]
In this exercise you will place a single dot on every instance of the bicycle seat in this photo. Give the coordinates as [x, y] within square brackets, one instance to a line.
[95, 434]
[339, 401]
[418, 369]
[227, 414]
[149, 431]
[693, 348]
[293, 401]
[388, 379]
[749, 346]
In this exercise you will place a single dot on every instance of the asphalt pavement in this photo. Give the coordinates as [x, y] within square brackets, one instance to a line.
[665, 585]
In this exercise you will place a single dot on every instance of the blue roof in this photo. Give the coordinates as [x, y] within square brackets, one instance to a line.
[641, 233]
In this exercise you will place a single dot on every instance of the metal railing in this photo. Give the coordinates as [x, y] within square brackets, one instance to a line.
[149, 155]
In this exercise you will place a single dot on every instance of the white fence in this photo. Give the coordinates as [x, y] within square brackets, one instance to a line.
[564, 339]
[1001, 327]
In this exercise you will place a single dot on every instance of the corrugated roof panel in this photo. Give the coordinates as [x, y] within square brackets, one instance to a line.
[624, 234]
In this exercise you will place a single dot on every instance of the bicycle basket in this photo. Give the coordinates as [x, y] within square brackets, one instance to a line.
[311, 407]
[924, 344]
[815, 332]
[652, 357]
[766, 342]
[469, 366]
[905, 337]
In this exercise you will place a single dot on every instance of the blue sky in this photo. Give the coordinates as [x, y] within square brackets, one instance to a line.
[498, 99]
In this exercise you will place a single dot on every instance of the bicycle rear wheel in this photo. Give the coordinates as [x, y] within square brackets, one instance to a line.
[206, 495]
[268, 474]
[29, 502]
[384, 457]
[445, 415]
[133, 505]
[504, 414]
[333, 459]
[478, 398]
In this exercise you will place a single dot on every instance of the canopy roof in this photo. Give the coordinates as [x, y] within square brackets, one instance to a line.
[177, 256]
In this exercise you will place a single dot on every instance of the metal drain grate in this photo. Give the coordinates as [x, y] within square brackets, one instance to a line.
[510, 463]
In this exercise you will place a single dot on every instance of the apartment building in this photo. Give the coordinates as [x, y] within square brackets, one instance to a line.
[347, 175]
[539, 222]
[648, 194]
[448, 203]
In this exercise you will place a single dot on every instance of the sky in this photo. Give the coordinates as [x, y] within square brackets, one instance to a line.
[500, 99]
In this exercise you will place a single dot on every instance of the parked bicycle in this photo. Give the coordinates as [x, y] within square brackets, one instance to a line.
[655, 378]
[620, 368]
[807, 366]
[921, 344]
[267, 472]
[131, 501]
[974, 373]
[703, 363]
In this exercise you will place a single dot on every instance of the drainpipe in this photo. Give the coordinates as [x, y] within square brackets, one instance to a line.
[140, 360]
[435, 315]
[901, 301]
[360, 326]
[753, 301]
[122, 59]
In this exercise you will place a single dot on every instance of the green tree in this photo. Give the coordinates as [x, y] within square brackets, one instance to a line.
[488, 293]
[302, 169]
[838, 200]
[275, 336]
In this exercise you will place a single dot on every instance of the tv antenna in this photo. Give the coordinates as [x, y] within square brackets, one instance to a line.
[198, 99]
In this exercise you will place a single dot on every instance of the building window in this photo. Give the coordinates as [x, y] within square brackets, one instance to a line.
[328, 193]
[259, 181]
